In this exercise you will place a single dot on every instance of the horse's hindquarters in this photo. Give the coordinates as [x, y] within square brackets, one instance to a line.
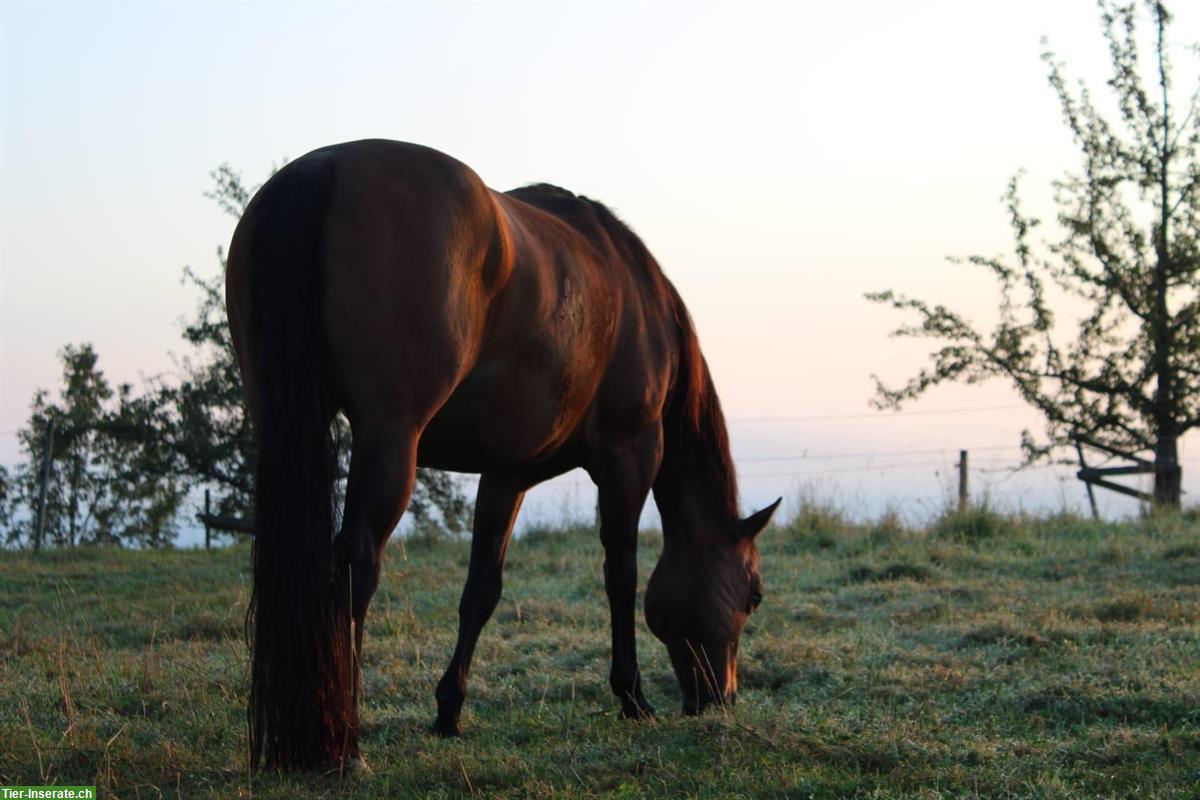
[408, 238]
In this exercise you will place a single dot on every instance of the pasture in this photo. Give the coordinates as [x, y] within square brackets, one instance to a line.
[984, 657]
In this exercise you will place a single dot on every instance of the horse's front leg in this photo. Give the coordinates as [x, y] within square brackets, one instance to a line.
[496, 506]
[623, 472]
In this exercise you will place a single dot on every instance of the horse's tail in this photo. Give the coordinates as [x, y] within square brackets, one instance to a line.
[301, 712]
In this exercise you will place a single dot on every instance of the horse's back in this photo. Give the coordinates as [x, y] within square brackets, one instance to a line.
[501, 329]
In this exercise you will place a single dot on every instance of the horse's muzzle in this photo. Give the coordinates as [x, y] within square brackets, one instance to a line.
[697, 704]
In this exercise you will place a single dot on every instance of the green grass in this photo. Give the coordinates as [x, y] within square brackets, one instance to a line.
[989, 657]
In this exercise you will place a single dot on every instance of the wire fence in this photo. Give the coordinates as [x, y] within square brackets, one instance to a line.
[919, 481]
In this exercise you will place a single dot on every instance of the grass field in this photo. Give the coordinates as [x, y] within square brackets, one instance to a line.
[984, 657]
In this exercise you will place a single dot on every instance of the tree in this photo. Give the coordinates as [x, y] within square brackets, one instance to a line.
[208, 429]
[1128, 249]
[76, 486]
[7, 500]
[110, 479]
[147, 490]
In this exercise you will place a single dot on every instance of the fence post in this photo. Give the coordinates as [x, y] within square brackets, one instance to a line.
[1091, 494]
[43, 480]
[963, 493]
[207, 516]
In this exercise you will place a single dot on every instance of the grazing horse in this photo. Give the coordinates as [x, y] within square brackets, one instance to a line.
[516, 335]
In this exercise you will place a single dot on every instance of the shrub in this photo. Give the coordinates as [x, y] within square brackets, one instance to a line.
[974, 523]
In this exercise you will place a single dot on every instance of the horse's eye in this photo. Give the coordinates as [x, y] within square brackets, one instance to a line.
[755, 600]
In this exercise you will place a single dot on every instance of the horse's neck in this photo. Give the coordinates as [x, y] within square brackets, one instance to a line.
[689, 517]
[696, 490]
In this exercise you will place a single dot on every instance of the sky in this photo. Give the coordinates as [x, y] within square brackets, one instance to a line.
[779, 159]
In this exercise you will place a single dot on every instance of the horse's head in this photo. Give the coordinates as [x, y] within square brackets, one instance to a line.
[698, 601]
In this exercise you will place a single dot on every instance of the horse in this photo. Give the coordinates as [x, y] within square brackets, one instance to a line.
[515, 335]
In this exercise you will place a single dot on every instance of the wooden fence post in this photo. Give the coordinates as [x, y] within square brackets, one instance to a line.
[43, 481]
[963, 493]
[1091, 494]
[207, 529]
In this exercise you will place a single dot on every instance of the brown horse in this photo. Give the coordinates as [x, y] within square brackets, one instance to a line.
[514, 335]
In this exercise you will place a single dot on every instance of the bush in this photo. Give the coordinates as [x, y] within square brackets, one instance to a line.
[817, 521]
[974, 523]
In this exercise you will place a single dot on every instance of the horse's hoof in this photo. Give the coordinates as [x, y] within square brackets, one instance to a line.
[358, 767]
[447, 729]
[642, 712]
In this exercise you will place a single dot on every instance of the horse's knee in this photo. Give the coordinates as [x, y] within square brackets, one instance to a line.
[620, 571]
[480, 597]
[364, 581]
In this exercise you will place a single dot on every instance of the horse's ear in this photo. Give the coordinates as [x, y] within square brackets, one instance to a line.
[752, 525]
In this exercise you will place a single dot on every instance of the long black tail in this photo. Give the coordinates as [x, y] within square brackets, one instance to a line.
[301, 711]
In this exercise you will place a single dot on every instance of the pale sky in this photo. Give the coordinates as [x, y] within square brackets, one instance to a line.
[779, 160]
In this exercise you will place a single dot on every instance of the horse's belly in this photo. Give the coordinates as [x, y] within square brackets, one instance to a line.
[507, 416]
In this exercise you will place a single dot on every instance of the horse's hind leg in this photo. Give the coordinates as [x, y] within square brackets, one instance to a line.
[382, 475]
[623, 472]
[496, 506]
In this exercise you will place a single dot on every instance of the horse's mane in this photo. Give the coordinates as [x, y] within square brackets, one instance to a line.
[696, 441]
[599, 224]
[694, 429]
